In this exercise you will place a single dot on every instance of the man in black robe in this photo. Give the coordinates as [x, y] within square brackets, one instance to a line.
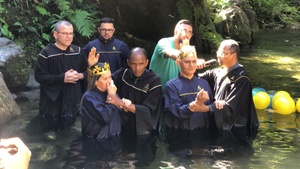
[61, 70]
[233, 107]
[143, 88]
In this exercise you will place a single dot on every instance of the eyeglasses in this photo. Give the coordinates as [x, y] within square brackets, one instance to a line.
[224, 53]
[187, 32]
[107, 30]
[67, 34]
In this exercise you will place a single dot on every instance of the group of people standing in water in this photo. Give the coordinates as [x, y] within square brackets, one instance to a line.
[110, 88]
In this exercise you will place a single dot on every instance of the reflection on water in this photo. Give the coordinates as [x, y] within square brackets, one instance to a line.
[109, 153]
[276, 146]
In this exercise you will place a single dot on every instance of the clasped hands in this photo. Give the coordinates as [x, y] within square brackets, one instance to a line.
[199, 106]
[72, 76]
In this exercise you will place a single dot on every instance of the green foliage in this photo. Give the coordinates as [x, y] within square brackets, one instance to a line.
[31, 22]
[275, 11]
[4, 28]
[199, 12]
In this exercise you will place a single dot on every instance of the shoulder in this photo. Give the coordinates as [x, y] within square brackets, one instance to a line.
[117, 75]
[164, 41]
[49, 50]
[173, 82]
[96, 40]
[238, 74]
[150, 74]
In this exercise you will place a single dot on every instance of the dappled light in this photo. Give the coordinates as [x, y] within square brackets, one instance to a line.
[273, 62]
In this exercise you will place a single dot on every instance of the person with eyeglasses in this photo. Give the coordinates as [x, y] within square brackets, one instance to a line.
[111, 49]
[61, 70]
[167, 51]
[233, 106]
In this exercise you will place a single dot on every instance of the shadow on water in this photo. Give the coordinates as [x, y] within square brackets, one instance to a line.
[272, 63]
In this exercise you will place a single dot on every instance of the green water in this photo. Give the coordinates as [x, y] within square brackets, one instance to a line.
[272, 64]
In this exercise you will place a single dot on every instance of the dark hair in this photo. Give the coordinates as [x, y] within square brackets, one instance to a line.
[93, 78]
[183, 21]
[106, 20]
[137, 50]
[234, 46]
[59, 23]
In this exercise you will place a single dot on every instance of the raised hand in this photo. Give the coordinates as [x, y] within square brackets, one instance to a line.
[202, 96]
[93, 57]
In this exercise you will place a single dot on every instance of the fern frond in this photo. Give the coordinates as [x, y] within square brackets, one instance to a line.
[63, 5]
[83, 22]
[42, 11]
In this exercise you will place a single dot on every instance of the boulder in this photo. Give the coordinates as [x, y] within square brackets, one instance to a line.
[13, 64]
[8, 107]
[232, 22]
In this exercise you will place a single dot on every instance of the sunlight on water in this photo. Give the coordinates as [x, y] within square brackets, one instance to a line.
[273, 65]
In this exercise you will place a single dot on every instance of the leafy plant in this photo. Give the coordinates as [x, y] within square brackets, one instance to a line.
[199, 12]
[4, 28]
[275, 11]
[31, 22]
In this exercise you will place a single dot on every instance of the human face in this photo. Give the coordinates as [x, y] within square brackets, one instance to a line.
[103, 81]
[64, 36]
[184, 31]
[138, 63]
[106, 30]
[188, 66]
[226, 57]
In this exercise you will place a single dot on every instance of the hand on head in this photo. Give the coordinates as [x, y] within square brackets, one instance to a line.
[18, 158]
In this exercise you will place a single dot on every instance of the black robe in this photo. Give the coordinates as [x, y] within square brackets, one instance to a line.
[145, 94]
[99, 120]
[59, 99]
[239, 114]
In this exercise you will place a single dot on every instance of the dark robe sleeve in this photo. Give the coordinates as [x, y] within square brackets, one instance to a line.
[174, 104]
[97, 110]
[235, 111]
[52, 83]
[148, 111]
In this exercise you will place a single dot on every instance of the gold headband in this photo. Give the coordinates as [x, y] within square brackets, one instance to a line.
[186, 51]
[96, 70]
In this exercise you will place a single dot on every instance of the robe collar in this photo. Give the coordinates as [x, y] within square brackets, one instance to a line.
[105, 41]
[237, 65]
[135, 79]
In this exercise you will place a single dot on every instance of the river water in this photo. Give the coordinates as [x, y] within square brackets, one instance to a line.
[273, 65]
